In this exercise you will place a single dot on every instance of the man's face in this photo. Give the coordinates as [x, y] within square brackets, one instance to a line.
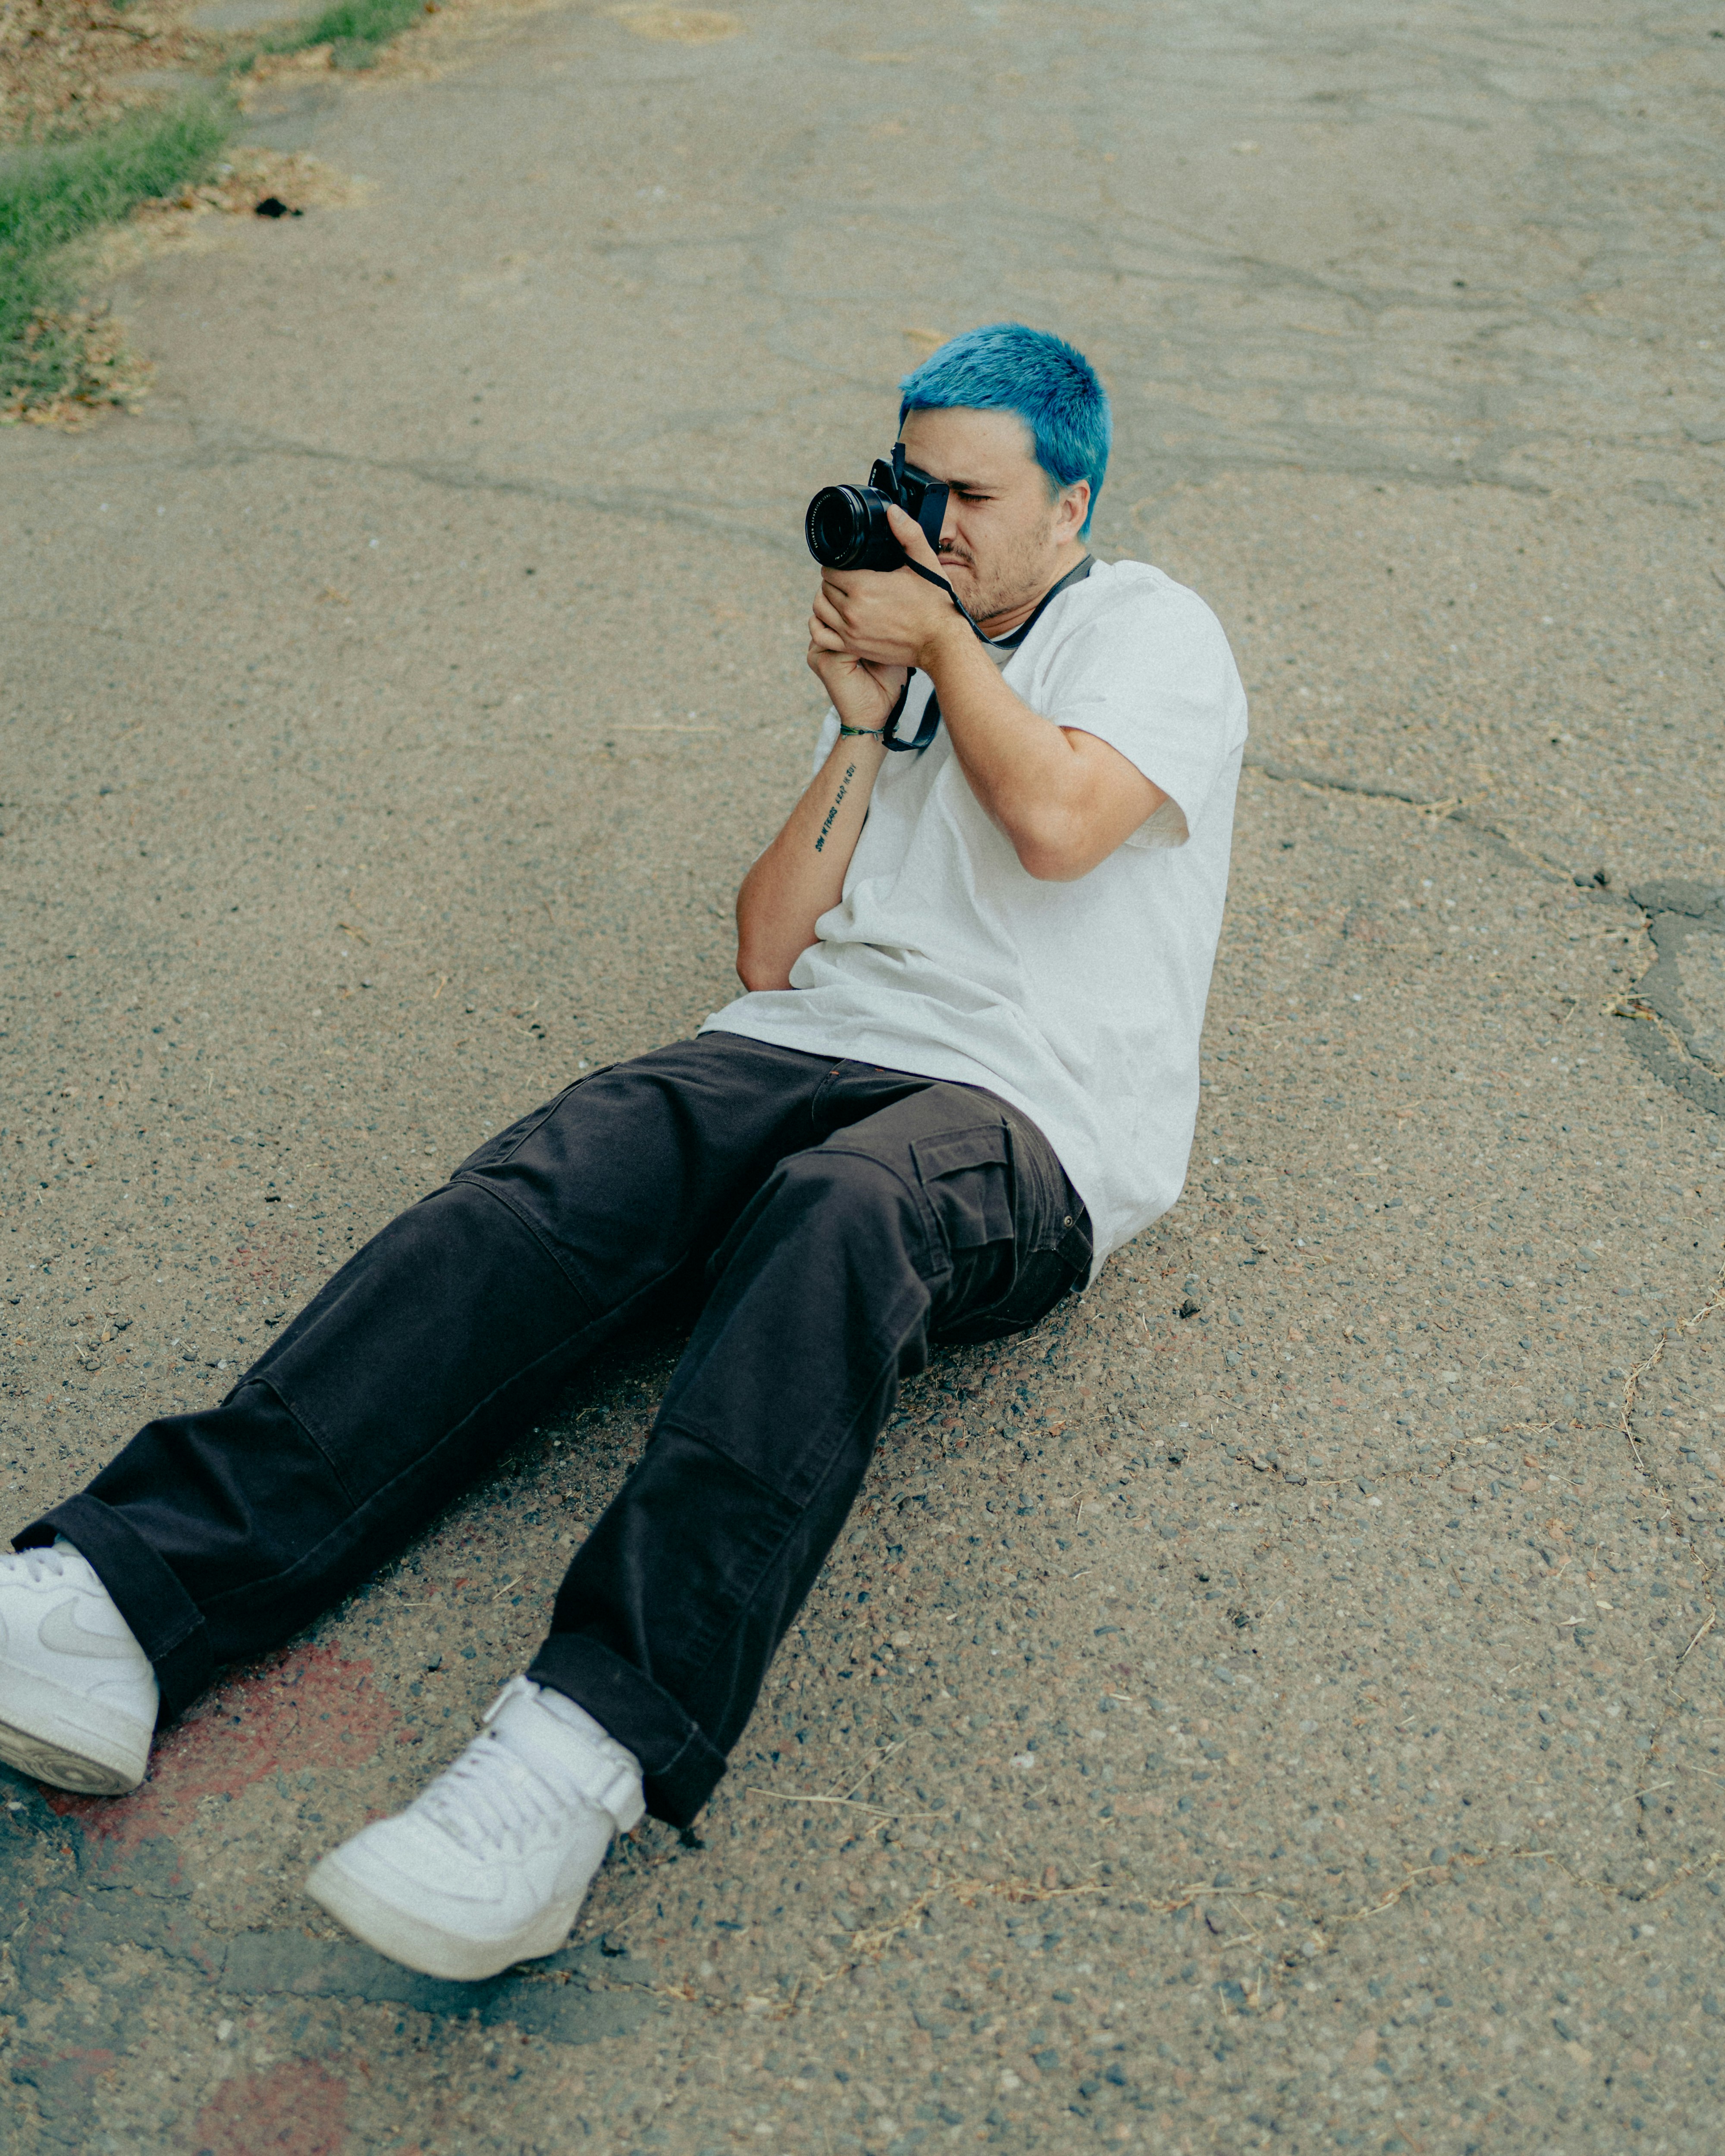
[1004, 541]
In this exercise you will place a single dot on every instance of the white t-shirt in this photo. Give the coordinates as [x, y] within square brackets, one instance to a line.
[1080, 1003]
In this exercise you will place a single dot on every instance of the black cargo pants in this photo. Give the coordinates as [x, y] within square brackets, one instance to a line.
[828, 1218]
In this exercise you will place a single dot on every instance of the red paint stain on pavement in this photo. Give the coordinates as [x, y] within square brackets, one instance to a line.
[295, 2109]
[303, 1707]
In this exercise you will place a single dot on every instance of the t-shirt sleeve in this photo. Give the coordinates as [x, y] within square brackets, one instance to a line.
[824, 741]
[1153, 677]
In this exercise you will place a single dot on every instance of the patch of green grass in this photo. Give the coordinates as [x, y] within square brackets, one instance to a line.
[55, 194]
[355, 27]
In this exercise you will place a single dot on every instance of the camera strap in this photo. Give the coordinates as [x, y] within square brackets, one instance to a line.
[930, 716]
[932, 711]
[940, 584]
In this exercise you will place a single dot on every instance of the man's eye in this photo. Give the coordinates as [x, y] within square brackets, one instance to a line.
[976, 497]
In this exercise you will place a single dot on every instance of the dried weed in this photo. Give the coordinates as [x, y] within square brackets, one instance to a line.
[69, 364]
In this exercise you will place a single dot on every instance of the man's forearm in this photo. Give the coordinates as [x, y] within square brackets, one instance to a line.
[1036, 782]
[801, 876]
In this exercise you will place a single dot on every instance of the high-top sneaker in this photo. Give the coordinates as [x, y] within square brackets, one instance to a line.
[491, 1863]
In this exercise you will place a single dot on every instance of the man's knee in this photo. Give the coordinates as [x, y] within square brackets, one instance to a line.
[854, 1200]
[825, 1220]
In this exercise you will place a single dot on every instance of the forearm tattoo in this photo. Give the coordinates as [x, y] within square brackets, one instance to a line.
[838, 803]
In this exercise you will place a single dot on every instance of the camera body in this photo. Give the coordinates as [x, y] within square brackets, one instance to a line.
[846, 527]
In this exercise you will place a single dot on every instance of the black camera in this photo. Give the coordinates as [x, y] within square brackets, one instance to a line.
[846, 527]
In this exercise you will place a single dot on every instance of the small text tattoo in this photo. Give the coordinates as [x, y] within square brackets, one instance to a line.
[838, 802]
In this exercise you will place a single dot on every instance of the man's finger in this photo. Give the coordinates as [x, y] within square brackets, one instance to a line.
[910, 536]
[829, 634]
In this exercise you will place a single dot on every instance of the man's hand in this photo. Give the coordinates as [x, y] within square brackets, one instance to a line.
[1064, 798]
[862, 694]
[884, 618]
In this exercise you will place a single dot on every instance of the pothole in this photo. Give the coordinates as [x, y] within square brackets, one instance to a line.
[1684, 991]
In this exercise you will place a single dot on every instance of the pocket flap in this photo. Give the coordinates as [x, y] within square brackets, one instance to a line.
[952, 1150]
[967, 1175]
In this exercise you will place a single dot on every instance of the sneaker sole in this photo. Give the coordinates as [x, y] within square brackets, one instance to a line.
[417, 1945]
[68, 1741]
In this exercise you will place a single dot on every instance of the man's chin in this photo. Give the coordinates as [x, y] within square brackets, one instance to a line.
[962, 579]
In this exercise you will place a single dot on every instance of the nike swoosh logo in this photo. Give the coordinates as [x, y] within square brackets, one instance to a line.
[60, 1631]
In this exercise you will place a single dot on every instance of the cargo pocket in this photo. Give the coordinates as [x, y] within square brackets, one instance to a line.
[967, 1180]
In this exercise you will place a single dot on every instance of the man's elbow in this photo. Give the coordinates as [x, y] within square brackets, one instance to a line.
[757, 968]
[1055, 849]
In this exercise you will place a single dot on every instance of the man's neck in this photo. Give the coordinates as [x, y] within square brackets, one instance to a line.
[994, 626]
[1019, 613]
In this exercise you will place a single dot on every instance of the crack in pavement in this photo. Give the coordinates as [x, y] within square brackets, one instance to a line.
[1675, 913]
[1458, 809]
[1675, 1702]
[219, 445]
[1670, 913]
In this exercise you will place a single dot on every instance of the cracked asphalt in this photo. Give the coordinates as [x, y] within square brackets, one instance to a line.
[1295, 1724]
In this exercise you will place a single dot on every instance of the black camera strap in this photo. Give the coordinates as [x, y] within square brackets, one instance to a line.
[931, 717]
[932, 711]
[940, 584]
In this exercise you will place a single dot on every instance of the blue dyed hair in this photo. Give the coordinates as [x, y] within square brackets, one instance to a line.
[1051, 384]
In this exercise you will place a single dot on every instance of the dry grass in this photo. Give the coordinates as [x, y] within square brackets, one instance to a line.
[244, 179]
[71, 361]
[69, 364]
[679, 26]
[59, 357]
[68, 65]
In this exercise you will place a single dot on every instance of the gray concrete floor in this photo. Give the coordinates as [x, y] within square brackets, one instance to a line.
[1296, 1726]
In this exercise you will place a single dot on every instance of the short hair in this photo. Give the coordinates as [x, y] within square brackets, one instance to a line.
[1052, 387]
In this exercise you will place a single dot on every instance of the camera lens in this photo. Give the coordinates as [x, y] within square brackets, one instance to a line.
[846, 528]
[837, 526]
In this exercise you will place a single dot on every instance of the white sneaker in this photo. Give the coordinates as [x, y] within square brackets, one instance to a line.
[78, 1696]
[490, 1865]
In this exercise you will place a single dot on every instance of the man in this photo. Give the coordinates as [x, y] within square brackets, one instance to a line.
[965, 1069]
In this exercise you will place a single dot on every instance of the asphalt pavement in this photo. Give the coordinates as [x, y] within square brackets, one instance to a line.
[1293, 1724]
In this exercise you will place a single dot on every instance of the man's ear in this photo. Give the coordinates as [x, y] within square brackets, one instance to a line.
[1072, 509]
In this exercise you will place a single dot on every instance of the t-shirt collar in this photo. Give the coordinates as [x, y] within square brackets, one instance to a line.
[1011, 643]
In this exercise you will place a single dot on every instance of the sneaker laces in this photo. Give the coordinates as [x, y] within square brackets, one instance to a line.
[39, 1564]
[489, 1798]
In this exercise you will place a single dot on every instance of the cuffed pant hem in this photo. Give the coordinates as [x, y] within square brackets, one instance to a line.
[680, 1768]
[166, 1622]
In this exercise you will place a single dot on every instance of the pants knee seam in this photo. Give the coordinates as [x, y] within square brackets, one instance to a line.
[313, 1437]
[697, 1675]
[361, 1507]
[474, 1180]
